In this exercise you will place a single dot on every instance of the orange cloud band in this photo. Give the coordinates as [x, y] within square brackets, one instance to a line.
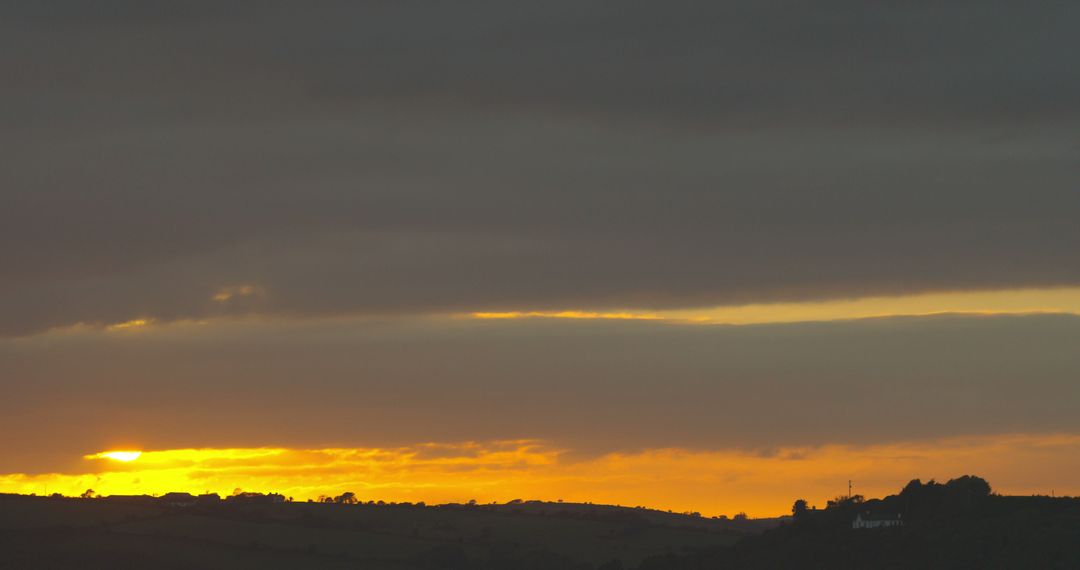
[761, 483]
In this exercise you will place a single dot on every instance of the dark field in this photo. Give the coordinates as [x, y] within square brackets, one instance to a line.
[958, 524]
[47, 532]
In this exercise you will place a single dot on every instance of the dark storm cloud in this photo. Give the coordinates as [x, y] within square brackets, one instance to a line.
[592, 387]
[397, 157]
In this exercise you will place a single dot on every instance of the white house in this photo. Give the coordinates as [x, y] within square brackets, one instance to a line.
[867, 520]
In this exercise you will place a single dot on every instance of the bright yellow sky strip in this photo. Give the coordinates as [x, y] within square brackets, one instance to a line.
[569, 315]
[1059, 300]
[713, 482]
[1017, 301]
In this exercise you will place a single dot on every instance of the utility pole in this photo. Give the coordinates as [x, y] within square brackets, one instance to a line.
[849, 488]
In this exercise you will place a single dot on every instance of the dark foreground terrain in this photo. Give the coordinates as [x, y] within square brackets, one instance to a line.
[959, 524]
[143, 532]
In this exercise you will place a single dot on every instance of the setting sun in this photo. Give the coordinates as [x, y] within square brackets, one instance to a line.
[124, 456]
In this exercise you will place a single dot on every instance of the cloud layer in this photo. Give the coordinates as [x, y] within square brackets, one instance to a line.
[403, 158]
[593, 387]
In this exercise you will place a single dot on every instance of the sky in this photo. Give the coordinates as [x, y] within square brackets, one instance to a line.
[700, 256]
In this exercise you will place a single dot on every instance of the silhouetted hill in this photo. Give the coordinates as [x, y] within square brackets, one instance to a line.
[959, 524]
[642, 515]
[266, 532]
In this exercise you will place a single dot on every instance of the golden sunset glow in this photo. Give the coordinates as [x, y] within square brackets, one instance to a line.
[762, 483]
[1018, 301]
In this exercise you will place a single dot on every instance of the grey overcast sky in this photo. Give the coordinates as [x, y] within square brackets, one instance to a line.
[415, 157]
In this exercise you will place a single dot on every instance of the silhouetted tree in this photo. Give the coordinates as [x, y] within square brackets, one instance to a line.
[88, 494]
[799, 508]
[914, 487]
[346, 498]
[842, 501]
[969, 485]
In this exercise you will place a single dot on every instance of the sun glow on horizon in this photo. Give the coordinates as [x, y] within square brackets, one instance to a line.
[723, 481]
